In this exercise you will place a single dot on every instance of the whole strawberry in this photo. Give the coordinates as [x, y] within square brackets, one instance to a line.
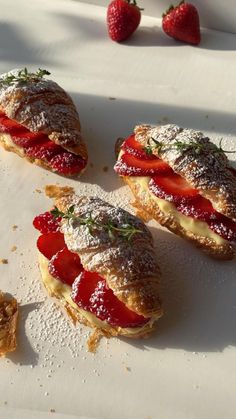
[123, 18]
[182, 23]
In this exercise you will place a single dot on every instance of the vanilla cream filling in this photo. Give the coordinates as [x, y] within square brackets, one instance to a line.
[63, 292]
[198, 228]
[6, 139]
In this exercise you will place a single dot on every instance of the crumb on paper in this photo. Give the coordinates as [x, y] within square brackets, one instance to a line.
[52, 410]
[4, 261]
[38, 190]
[128, 369]
[165, 119]
[14, 227]
[14, 248]
[105, 169]
[112, 98]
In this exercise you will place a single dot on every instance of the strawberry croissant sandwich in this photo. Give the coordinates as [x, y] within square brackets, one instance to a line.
[39, 122]
[99, 262]
[185, 182]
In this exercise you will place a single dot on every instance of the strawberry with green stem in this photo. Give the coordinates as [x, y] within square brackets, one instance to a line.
[182, 23]
[123, 18]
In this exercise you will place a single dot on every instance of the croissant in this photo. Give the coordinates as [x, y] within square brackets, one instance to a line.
[8, 324]
[185, 182]
[39, 121]
[99, 262]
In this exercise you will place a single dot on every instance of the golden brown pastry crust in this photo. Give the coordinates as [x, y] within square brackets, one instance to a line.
[207, 171]
[137, 283]
[8, 323]
[148, 209]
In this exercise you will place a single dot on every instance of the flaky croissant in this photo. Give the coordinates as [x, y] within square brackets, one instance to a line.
[39, 121]
[117, 248]
[185, 182]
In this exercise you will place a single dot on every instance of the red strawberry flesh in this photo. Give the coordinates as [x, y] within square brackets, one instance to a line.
[129, 165]
[182, 23]
[38, 146]
[65, 266]
[50, 243]
[172, 187]
[123, 18]
[67, 163]
[131, 146]
[46, 223]
[90, 292]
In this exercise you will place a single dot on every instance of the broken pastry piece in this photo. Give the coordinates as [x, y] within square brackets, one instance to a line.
[99, 262]
[39, 122]
[185, 182]
[8, 323]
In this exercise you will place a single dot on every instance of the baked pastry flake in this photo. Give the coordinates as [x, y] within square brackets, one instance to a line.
[8, 324]
[185, 182]
[99, 262]
[39, 121]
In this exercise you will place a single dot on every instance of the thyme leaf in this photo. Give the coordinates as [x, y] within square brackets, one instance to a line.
[23, 76]
[195, 147]
[127, 230]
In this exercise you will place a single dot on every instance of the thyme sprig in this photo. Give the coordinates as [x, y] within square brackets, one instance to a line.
[127, 230]
[195, 147]
[23, 76]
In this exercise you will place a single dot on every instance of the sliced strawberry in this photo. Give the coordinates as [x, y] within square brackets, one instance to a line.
[67, 163]
[172, 187]
[225, 227]
[65, 266]
[46, 223]
[50, 243]
[44, 151]
[8, 125]
[28, 139]
[90, 292]
[200, 208]
[129, 165]
[136, 149]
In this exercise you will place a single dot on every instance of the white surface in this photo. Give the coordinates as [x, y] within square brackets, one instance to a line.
[187, 369]
[214, 14]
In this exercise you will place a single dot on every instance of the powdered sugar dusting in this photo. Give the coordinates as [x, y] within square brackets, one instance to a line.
[123, 263]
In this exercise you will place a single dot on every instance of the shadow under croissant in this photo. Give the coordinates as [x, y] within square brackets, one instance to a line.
[198, 296]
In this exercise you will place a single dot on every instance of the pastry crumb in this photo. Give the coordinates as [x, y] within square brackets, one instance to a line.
[4, 261]
[105, 169]
[112, 98]
[52, 410]
[8, 323]
[13, 249]
[128, 369]
[14, 227]
[38, 190]
[94, 339]
[53, 191]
